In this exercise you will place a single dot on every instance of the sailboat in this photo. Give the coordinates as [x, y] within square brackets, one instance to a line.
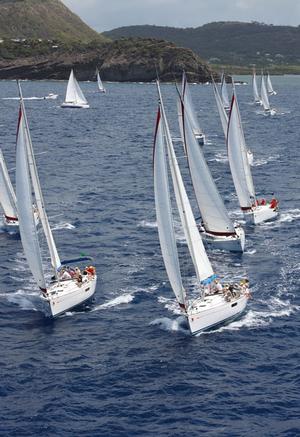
[224, 93]
[74, 96]
[224, 118]
[264, 98]
[190, 111]
[8, 200]
[257, 99]
[255, 211]
[213, 306]
[216, 227]
[99, 82]
[270, 89]
[65, 290]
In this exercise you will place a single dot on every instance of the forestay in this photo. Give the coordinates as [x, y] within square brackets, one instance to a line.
[237, 155]
[7, 194]
[25, 211]
[213, 212]
[164, 213]
[199, 257]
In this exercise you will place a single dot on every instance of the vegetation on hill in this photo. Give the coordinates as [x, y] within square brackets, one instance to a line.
[42, 19]
[231, 43]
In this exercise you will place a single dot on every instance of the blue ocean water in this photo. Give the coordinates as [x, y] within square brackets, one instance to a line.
[126, 364]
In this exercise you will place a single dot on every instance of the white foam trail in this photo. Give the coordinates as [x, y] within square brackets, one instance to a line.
[289, 216]
[146, 224]
[171, 325]
[263, 161]
[120, 300]
[62, 225]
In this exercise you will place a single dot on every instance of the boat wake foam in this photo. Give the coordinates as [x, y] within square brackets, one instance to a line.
[146, 224]
[62, 225]
[263, 161]
[171, 325]
[120, 300]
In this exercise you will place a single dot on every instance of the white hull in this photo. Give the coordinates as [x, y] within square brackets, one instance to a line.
[74, 105]
[270, 111]
[230, 243]
[200, 138]
[66, 295]
[260, 214]
[13, 225]
[214, 310]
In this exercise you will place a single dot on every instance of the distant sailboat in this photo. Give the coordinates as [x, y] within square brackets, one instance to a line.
[265, 99]
[224, 93]
[74, 96]
[216, 228]
[257, 99]
[215, 305]
[224, 118]
[270, 89]
[8, 200]
[99, 82]
[64, 291]
[190, 111]
[255, 211]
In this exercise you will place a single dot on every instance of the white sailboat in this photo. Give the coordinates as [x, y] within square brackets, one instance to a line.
[255, 211]
[270, 89]
[64, 291]
[224, 92]
[191, 114]
[216, 227]
[224, 119]
[264, 97]
[213, 306]
[8, 200]
[74, 96]
[99, 82]
[257, 99]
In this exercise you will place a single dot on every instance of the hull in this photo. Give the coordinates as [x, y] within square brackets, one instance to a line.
[230, 243]
[74, 105]
[13, 225]
[260, 214]
[214, 310]
[65, 295]
[201, 139]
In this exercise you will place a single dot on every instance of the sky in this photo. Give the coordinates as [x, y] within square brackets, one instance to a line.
[104, 15]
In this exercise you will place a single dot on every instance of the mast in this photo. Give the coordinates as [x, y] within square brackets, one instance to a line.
[55, 260]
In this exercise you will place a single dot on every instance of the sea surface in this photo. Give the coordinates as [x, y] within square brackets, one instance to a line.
[126, 365]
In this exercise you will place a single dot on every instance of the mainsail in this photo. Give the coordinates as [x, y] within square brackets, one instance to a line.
[7, 194]
[224, 92]
[221, 109]
[214, 215]
[187, 98]
[55, 260]
[255, 90]
[269, 85]
[99, 82]
[74, 93]
[264, 94]
[164, 213]
[237, 155]
[199, 257]
[27, 224]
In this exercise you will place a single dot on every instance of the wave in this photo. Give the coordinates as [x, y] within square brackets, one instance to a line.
[62, 225]
[263, 161]
[120, 300]
[146, 224]
[171, 325]
[219, 157]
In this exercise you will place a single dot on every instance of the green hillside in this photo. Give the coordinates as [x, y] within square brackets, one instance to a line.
[42, 19]
[228, 43]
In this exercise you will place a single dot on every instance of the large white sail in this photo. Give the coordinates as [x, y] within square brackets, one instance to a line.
[224, 92]
[264, 94]
[199, 257]
[99, 82]
[164, 213]
[255, 90]
[74, 93]
[55, 260]
[213, 212]
[269, 85]
[25, 211]
[187, 98]
[237, 155]
[221, 109]
[7, 194]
